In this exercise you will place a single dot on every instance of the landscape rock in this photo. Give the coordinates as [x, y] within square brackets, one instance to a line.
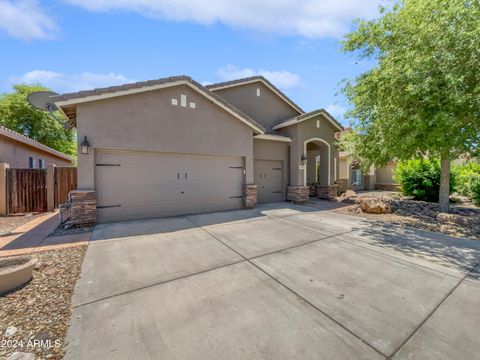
[375, 206]
[11, 330]
[350, 194]
[21, 356]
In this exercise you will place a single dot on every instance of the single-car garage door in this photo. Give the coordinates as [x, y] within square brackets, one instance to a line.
[137, 185]
[268, 178]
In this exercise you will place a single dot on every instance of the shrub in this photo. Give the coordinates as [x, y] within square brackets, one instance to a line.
[465, 173]
[420, 178]
[474, 189]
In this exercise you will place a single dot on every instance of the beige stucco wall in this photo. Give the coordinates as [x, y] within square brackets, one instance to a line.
[274, 150]
[17, 153]
[267, 109]
[343, 169]
[306, 130]
[149, 122]
[384, 175]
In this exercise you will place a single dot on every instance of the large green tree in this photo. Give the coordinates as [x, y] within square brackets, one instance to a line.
[421, 98]
[17, 114]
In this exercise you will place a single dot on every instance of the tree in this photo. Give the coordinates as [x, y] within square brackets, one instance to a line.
[422, 96]
[18, 115]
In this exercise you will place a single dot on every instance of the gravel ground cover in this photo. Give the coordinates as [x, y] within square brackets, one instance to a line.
[9, 223]
[34, 318]
[419, 214]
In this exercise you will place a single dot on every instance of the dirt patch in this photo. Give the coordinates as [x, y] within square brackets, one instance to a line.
[11, 222]
[35, 317]
[418, 214]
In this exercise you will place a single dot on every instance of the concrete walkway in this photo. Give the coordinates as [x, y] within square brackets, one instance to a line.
[33, 237]
[276, 282]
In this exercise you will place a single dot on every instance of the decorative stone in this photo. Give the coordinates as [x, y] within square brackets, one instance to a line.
[17, 355]
[350, 194]
[11, 330]
[15, 271]
[375, 206]
[249, 196]
[83, 209]
[455, 219]
[298, 194]
[327, 192]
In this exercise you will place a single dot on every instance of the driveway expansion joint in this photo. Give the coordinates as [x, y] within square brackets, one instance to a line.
[405, 342]
[291, 290]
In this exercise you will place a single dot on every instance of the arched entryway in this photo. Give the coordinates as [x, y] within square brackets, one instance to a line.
[317, 152]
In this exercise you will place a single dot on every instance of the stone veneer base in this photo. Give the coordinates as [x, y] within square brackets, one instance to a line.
[298, 194]
[249, 196]
[83, 210]
[326, 192]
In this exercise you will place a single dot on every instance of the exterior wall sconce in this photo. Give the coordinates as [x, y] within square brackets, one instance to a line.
[85, 146]
[304, 159]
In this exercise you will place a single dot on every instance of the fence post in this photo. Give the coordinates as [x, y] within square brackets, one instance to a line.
[50, 187]
[3, 188]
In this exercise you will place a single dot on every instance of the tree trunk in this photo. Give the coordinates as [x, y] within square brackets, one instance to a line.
[444, 195]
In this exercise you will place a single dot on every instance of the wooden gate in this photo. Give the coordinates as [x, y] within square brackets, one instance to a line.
[65, 181]
[26, 190]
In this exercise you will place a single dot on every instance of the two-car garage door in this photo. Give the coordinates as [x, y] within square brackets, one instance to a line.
[138, 185]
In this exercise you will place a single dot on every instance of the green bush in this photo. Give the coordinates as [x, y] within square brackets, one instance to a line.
[465, 173]
[420, 178]
[474, 189]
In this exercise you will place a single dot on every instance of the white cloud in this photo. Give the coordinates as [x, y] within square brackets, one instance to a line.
[282, 79]
[25, 20]
[337, 111]
[308, 18]
[62, 83]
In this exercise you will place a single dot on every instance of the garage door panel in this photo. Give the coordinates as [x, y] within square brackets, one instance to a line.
[268, 178]
[160, 184]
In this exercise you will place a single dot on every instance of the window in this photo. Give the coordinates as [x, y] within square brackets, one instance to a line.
[258, 91]
[356, 177]
[183, 100]
[41, 164]
[31, 163]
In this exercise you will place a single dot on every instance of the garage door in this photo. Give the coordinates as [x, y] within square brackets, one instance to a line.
[268, 178]
[138, 185]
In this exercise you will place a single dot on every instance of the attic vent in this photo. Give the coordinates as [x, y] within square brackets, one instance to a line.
[258, 91]
[174, 102]
[318, 123]
[192, 105]
[183, 100]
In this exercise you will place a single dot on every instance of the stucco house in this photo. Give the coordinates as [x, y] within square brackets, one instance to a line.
[172, 146]
[19, 151]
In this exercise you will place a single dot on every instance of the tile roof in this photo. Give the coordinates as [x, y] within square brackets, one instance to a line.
[26, 140]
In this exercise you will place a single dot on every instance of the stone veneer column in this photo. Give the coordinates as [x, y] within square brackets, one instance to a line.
[298, 194]
[326, 191]
[83, 209]
[249, 196]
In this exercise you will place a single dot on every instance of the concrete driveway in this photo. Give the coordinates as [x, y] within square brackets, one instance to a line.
[277, 282]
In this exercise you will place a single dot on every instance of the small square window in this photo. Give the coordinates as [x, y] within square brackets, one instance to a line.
[174, 102]
[192, 105]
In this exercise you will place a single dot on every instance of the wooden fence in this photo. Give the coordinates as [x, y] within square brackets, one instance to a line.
[65, 181]
[27, 188]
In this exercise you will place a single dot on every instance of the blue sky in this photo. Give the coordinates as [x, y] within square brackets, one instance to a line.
[73, 45]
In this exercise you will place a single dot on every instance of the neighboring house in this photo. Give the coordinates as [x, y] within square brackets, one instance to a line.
[19, 151]
[172, 146]
[351, 176]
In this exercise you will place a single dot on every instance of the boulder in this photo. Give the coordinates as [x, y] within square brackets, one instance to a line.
[375, 206]
[349, 194]
[456, 219]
